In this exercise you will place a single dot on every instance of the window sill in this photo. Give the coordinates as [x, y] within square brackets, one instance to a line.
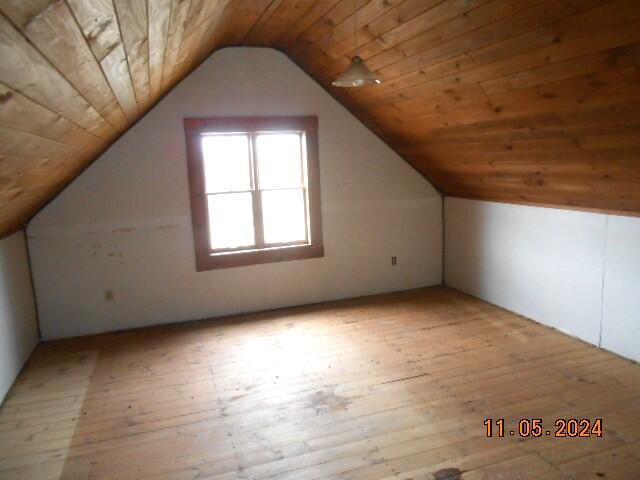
[256, 257]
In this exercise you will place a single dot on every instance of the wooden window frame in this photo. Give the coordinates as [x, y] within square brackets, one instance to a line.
[208, 259]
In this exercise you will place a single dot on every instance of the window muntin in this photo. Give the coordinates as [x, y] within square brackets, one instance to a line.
[255, 194]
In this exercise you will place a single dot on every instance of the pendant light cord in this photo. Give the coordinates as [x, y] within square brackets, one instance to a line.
[355, 24]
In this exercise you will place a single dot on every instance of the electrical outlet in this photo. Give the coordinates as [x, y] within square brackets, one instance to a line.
[108, 295]
[394, 260]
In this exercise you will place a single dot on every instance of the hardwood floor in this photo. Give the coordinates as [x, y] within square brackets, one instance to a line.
[394, 386]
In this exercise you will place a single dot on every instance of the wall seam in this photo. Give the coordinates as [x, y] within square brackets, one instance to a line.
[444, 239]
[602, 284]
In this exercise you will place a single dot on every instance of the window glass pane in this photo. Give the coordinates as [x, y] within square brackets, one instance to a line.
[226, 163]
[231, 220]
[283, 216]
[279, 160]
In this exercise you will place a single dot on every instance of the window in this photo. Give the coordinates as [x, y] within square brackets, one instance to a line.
[255, 189]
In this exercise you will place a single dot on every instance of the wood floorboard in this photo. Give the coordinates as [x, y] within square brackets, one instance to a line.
[393, 386]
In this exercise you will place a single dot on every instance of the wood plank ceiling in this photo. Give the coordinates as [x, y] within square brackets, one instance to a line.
[532, 101]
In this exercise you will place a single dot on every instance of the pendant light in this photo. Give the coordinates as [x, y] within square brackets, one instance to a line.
[357, 74]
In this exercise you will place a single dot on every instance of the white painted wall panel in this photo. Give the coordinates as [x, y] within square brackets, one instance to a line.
[621, 311]
[18, 327]
[550, 265]
[124, 225]
[545, 266]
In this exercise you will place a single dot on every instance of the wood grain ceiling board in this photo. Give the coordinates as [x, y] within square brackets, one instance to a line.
[525, 101]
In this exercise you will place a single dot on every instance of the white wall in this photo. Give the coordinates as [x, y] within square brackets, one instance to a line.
[576, 271]
[18, 326]
[125, 225]
[621, 308]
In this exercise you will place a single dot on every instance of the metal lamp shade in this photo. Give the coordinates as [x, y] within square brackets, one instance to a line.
[357, 75]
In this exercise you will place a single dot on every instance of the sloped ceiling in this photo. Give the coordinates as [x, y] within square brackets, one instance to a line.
[534, 101]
